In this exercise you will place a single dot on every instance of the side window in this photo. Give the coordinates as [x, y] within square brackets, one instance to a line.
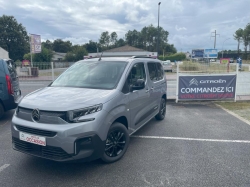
[137, 72]
[152, 71]
[160, 73]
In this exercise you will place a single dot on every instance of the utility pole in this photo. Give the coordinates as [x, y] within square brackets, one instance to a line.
[158, 32]
[215, 38]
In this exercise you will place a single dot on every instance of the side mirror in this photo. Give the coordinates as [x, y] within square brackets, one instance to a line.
[139, 85]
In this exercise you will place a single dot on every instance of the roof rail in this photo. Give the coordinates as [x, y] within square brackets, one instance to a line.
[141, 57]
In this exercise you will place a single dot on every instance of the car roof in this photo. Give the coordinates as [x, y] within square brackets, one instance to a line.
[127, 59]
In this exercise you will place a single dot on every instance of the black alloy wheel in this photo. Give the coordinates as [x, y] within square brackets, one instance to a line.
[116, 143]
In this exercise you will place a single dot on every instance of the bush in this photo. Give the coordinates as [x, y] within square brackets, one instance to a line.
[172, 58]
[189, 66]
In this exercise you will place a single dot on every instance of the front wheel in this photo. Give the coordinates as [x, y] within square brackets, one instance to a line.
[162, 111]
[116, 143]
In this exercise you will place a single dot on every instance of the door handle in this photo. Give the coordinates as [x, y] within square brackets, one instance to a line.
[152, 88]
[147, 90]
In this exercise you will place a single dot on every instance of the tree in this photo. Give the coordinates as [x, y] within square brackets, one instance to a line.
[113, 38]
[147, 39]
[70, 57]
[91, 47]
[45, 56]
[247, 34]
[132, 38]
[61, 46]
[238, 36]
[77, 53]
[120, 42]
[13, 37]
[27, 57]
[48, 44]
[104, 39]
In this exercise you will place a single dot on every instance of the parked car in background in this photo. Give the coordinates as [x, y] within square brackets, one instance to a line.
[231, 60]
[167, 66]
[10, 93]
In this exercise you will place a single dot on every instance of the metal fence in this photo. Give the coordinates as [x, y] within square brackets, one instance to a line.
[46, 71]
[43, 73]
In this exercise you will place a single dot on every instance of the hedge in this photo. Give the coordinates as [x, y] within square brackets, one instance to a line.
[172, 58]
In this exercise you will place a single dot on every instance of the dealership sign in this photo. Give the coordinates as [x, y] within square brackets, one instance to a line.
[35, 43]
[207, 87]
[210, 53]
[197, 53]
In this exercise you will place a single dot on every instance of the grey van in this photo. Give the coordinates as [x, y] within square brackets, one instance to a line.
[10, 93]
[91, 109]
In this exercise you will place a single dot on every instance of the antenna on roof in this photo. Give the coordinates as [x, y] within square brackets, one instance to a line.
[100, 57]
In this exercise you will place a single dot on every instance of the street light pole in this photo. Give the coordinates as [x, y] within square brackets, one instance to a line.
[158, 29]
[223, 45]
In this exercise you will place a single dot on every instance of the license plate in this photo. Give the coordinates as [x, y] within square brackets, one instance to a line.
[39, 140]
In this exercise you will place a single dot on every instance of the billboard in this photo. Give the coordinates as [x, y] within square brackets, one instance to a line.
[35, 43]
[201, 87]
[210, 53]
[197, 53]
[224, 60]
[26, 63]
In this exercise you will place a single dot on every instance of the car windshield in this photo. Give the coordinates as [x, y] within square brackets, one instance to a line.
[91, 74]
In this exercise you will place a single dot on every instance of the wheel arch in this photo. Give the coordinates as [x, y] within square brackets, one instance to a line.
[123, 120]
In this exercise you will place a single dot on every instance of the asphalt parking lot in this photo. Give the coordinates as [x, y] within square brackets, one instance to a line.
[197, 144]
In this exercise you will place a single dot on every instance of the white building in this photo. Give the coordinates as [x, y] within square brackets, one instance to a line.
[4, 54]
[58, 56]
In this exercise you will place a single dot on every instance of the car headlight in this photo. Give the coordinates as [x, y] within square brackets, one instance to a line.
[75, 115]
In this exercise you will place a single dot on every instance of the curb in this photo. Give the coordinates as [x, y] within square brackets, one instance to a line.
[233, 114]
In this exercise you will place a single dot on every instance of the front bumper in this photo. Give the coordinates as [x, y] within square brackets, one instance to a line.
[71, 142]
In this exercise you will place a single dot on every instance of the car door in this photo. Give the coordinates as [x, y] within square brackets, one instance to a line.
[155, 82]
[139, 100]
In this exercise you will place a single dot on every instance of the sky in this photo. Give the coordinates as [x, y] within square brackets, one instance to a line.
[190, 23]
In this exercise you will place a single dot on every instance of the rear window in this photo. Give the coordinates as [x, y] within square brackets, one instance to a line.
[156, 71]
[10, 66]
[166, 63]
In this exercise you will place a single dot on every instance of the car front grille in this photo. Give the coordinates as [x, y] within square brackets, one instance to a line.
[49, 117]
[36, 131]
[49, 152]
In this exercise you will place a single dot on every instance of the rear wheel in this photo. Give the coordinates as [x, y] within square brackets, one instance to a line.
[116, 143]
[1, 110]
[162, 111]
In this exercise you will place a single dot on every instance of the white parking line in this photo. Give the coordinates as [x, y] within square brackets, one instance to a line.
[192, 139]
[4, 167]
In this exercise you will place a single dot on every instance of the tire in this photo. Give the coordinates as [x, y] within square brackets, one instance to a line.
[162, 111]
[116, 143]
[1, 111]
